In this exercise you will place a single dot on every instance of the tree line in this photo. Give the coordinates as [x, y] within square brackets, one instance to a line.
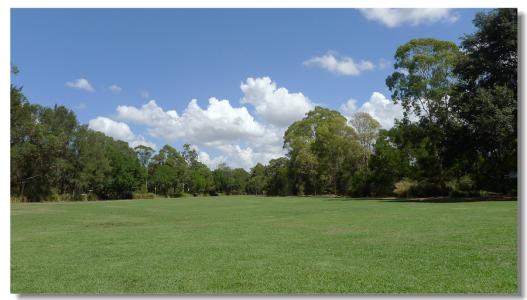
[458, 136]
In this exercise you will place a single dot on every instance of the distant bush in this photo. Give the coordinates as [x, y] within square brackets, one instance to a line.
[425, 188]
[143, 195]
[17, 199]
[175, 194]
[404, 187]
[463, 186]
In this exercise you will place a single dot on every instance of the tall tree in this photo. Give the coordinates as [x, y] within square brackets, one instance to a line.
[324, 141]
[257, 181]
[144, 154]
[278, 183]
[423, 82]
[169, 171]
[487, 98]
[367, 129]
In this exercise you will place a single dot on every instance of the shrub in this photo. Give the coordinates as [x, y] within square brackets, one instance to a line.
[141, 195]
[425, 188]
[463, 186]
[403, 187]
[175, 194]
[483, 193]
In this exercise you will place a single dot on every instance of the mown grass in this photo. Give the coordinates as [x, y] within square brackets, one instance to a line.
[252, 245]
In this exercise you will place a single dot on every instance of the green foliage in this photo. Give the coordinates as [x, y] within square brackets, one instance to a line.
[324, 152]
[277, 172]
[486, 99]
[54, 158]
[168, 172]
[463, 186]
[427, 188]
[143, 196]
[423, 77]
[460, 123]
[404, 187]
[257, 180]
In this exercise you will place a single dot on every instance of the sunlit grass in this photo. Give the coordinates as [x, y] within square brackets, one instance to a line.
[245, 244]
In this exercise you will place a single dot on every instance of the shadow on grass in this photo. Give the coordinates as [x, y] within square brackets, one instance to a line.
[450, 200]
[427, 200]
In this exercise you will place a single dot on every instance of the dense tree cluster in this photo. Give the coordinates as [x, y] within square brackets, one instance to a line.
[458, 137]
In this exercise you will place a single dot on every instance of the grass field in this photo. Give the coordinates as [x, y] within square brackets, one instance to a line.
[245, 244]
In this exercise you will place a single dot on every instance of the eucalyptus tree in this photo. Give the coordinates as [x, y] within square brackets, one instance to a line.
[423, 83]
[322, 144]
[367, 129]
[144, 154]
[487, 98]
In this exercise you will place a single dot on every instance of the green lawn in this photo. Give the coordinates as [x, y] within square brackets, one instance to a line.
[245, 244]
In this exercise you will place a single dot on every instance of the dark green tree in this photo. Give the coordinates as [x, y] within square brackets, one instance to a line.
[486, 100]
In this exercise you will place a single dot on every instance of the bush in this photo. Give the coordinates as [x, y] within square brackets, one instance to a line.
[426, 188]
[143, 195]
[463, 186]
[403, 187]
[175, 194]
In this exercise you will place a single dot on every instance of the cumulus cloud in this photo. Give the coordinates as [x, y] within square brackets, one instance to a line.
[231, 132]
[394, 17]
[275, 105]
[378, 106]
[119, 131]
[115, 88]
[81, 84]
[218, 123]
[243, 157]
[344, 65]
[213, 162]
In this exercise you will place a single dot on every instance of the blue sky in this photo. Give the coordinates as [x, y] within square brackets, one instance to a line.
[175, 55]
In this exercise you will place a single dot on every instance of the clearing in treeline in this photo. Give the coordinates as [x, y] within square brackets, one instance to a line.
[248, 244]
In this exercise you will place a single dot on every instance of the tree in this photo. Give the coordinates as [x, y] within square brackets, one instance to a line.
[367, 129]
[424, 78]
[168, 172]
[222, 178]
[24, 136]
[257, 180]
[92, 163]
[278, 183]
[240, 179]
[144, 154]
[423, 83]
[126, 173]
[486, 99]
[321, 144]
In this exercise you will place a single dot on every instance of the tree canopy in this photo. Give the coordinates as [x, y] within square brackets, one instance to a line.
[458, 136]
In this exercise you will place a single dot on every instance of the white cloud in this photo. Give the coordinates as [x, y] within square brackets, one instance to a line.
[394, 17]
[115, 88]
[378, 106]
[276, 105]
[212, 163]
[149, 114]
[81, 84]
[219, 126]
[216, 124]
[119, 131]
[232, 133]
[246, 157]
[340, 65]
